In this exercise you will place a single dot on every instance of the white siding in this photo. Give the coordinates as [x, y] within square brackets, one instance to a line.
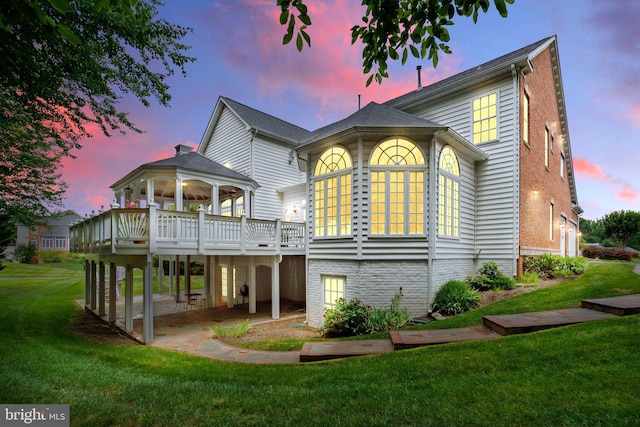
[273, 167]
[230, 143]
[495, 208]
[462, 246]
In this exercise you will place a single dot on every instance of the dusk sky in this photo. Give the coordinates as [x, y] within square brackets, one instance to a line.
[240, 55]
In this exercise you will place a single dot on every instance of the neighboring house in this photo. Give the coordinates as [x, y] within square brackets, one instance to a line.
[53, 236]
[411, 193]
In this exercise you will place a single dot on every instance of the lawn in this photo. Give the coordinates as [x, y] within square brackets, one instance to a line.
[585, 374]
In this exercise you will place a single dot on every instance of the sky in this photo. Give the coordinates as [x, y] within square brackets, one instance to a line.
[239, 51]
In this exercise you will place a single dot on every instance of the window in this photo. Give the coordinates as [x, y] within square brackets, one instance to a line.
[333, 290]
[397, 188]
[525, 119]
[546, 148]
[485, 120]
[448, 193]
[562, 165]
[46, 243]
[332, 193]
[551, 222]
[61, 243]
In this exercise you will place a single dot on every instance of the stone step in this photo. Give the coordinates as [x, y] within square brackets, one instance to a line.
[620, 306]
[410, 339]
[510, 324]
[326, 350]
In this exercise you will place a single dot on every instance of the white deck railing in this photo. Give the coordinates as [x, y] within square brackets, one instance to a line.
[160, 231]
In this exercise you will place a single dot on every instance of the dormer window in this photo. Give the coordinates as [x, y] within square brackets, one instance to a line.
[397, 188]
[332, 193]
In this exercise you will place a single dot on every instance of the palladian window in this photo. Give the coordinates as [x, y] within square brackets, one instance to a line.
[332, 194]
[448, 193]
[397, 188]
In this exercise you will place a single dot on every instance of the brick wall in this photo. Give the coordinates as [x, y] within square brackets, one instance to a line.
[373, 282]
[542, 185]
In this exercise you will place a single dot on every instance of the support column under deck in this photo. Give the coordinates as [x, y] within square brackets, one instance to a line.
[113, 272]
[275, 288]
[92, 292]
[101, 289]
[252, 287]
[128, 298]
[87, 283]
[147, 301]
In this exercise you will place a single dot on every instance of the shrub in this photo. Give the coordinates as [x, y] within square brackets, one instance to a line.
[24, 253]
[489, 277]
[345, 319]
[455, 297]
[394, 318]
[548, 266]
[354, 318]
[49, 256]
[609, 253]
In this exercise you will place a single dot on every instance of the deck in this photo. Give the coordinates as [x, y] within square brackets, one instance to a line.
[141, 231]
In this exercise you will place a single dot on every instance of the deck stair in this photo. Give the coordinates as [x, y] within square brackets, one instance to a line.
[493, 327]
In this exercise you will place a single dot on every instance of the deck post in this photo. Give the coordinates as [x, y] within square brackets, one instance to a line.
[201, 230]
[93, 296]
[147, 301]
[128, 298]
[87, 283]
[113, 272]
[252, 287]
[208, 281]
[101, 289]
[275, 287]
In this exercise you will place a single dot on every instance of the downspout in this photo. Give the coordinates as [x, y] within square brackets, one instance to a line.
[516, 171]
[251, 160]
[432, 219]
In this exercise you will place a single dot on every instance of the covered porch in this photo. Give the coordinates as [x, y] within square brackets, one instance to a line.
[247, 283]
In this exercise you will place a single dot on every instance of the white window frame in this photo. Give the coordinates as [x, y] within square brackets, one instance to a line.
[336, 293]
[413, 214]
[340, 198]
[477, 116]
[448, 195]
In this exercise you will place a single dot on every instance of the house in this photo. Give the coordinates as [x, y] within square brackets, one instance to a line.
[409, 194]
[52, 236]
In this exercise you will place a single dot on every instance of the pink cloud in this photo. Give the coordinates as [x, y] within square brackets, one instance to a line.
[628, 193]
[590, 170]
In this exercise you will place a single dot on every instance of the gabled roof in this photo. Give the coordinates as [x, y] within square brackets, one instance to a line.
[194, 162]
[474, 75]
[373, 115]
[257, 121]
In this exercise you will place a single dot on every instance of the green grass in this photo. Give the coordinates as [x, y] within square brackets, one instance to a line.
[580, 375]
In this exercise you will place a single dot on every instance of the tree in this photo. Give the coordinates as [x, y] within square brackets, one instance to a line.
[64, 67]
[393, 28]
[622, 227]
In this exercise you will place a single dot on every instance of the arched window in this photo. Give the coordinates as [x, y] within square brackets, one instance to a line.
[448, 193]
[397, 188]
[332, 193]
